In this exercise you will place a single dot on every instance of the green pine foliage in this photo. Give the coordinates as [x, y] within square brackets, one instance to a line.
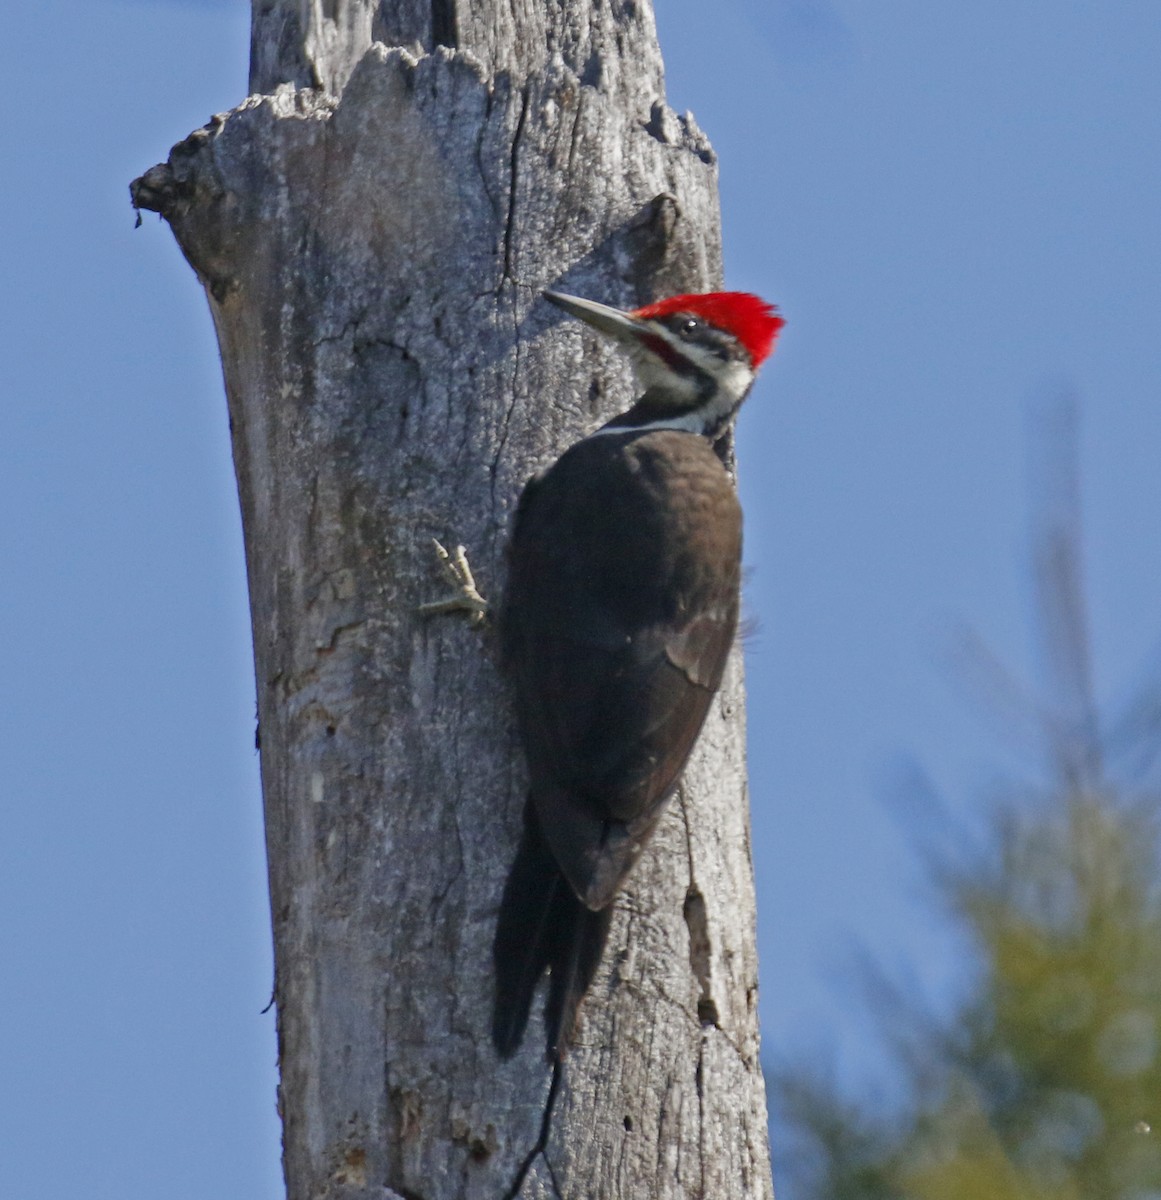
[1046, 1084]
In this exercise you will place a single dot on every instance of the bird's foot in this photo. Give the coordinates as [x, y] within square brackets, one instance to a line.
[466, 597]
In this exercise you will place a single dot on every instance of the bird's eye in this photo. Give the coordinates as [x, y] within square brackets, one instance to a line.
[688, 326]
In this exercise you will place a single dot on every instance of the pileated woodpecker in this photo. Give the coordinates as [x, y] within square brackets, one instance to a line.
[620, 610]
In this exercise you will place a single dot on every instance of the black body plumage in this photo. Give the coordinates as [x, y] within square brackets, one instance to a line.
[618, 617]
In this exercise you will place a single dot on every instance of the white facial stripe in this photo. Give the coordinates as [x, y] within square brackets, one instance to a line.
[653, 373]
[690, 423]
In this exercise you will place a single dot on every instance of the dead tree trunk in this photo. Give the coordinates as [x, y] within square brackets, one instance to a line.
[373, 228]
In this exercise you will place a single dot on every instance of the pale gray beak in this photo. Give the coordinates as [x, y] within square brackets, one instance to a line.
[610, 321]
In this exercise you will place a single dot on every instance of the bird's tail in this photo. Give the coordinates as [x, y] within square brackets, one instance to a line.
[542, 926]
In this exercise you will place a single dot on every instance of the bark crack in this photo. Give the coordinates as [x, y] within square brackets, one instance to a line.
[688, 833]
[348, 330]
[329, 647]
[574, 136]
[509, 410]
[700, 947]
[444, 26]
[699, 1080]
[514, 169]
[552, 1177]
[700, 954]
[439, 899]
[746, 1060]
[484, 172]
[541, 1144]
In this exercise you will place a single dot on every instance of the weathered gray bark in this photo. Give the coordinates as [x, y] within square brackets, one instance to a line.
[373, 250]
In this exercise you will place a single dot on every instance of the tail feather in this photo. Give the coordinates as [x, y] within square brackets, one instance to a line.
[542, 926]
[572, 973]
[523, 946]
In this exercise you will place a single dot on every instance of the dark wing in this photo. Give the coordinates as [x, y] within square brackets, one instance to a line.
[620, 611]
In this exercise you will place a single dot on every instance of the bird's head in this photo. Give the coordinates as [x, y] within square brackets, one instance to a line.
[695, 355]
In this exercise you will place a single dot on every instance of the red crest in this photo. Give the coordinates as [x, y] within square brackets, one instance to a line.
[749, 318]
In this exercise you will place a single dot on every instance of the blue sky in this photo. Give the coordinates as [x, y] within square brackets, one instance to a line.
[956, 207]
